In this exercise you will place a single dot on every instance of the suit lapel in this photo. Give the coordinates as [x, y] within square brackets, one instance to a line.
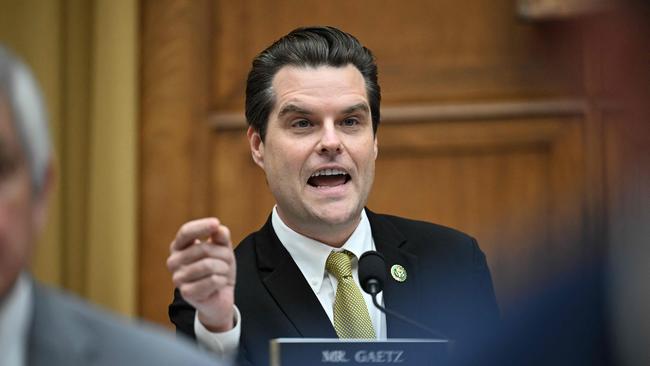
[294, 297]
[401, 297]
[288, 286]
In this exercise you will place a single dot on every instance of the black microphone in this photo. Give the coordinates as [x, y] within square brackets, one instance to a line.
[372, 272]
[372, 276]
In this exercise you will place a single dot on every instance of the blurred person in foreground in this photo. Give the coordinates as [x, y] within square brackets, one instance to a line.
[39, 325]
[312, 105]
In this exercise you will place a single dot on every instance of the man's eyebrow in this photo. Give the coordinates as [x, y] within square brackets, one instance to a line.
[363, 107]
[292, 108]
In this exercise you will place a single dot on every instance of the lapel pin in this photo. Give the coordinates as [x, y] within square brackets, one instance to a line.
[398, 272]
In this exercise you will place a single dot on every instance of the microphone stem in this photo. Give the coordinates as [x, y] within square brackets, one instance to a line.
[432, 332]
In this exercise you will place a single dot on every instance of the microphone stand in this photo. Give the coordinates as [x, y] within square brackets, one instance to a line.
[373, 287]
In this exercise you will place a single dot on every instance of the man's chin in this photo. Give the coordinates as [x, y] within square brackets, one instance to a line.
[338, 216]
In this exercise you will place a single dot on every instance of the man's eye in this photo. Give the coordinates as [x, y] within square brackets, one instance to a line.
[303, 123]
[350, 122]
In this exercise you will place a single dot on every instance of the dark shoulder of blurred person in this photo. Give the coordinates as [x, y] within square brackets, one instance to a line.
[596, 313]
[564, 323]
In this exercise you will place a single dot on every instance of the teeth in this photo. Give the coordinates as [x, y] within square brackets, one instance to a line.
[328, 172]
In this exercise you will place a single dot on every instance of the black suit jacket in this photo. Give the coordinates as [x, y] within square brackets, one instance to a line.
[448, 287]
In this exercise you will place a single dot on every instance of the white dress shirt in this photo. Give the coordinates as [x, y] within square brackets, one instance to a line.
[310, 257]
[15, 318]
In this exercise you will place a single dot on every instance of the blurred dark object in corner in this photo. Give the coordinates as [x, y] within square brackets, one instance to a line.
[599, 312]
[563, 324]
[625, 40]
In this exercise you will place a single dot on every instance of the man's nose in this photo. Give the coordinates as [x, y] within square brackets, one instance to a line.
[330, 141]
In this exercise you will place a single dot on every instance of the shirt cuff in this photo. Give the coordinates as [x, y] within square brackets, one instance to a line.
[223, 344]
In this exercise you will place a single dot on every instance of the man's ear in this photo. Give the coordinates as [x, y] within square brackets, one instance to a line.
[376, 148]
[42, 198]
[257, 146]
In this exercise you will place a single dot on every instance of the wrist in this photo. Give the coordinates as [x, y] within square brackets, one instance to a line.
[217, 324]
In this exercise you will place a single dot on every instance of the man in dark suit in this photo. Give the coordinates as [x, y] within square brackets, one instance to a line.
[41, 326]
[312, 104]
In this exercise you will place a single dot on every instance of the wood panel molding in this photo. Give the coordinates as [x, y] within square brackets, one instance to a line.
[449, 112]
[473, 136]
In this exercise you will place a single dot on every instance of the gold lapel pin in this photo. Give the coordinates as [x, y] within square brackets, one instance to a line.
[398, 272]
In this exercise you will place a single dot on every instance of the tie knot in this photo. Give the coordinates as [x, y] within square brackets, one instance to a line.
[340, 264]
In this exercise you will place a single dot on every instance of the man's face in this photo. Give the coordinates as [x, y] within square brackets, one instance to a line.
[319, 151]
[18, 208]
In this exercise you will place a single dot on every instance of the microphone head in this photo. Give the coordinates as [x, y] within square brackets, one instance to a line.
[372, 272]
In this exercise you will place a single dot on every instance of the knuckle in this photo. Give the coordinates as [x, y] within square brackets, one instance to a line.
[217, 280]
[205, 248]
[218, 267]
[229, 258]
[213, 224]
[226, 232]
[205, 266]
[177, 279]
[205, 227]
[183, 231]
[171, 263]
[186, 291]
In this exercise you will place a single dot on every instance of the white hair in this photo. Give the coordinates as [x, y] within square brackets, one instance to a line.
[21, 91]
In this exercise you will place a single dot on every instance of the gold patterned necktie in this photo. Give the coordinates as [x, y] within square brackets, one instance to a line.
[351, 318]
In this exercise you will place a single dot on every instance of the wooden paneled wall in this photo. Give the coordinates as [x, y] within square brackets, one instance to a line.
[486, 127]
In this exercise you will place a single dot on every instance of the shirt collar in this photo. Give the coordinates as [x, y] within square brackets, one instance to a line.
[310, 255]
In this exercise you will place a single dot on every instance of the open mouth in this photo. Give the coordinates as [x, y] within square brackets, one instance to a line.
[328, 178]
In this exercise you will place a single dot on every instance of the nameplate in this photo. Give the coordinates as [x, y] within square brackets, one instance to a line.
[326, 351]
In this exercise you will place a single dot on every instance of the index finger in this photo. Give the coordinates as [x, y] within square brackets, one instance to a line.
[196, 229]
